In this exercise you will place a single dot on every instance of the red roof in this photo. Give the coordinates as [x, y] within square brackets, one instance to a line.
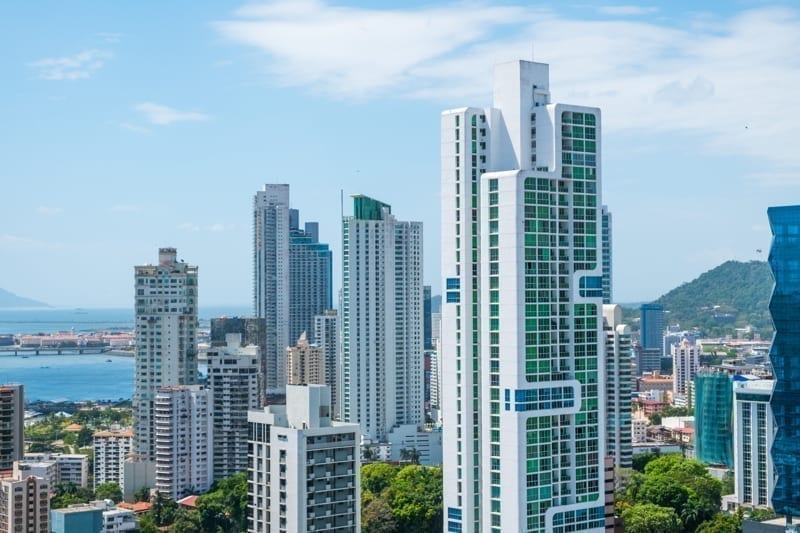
[190, 502]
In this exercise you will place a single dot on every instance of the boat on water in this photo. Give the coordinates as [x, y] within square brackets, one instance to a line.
[108, 361]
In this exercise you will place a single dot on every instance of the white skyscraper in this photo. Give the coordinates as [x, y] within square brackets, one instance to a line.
[166, 345]
[522, 329]
[111, 448]
[292, 276]
[184, 440]
[233, 380]
[271, 278]
[619, 386]
[685, 362]
[753, 434]
[382, 381]
[326, 336]
[304, 467]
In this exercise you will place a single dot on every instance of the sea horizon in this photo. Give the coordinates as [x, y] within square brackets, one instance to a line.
[46, 320]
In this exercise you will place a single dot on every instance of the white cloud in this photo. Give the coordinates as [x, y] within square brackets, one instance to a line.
[731, 81]
[163, 115]
[79, 66]
[134, 128]
[45, 210]
[626, 11]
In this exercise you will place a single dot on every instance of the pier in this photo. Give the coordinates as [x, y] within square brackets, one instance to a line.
[52, 350]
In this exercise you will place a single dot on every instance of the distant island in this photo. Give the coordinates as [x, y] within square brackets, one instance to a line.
[11, 300]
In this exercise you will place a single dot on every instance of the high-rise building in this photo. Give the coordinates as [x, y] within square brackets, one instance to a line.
[619, 386]
[25, 505]
[685, 363]
[166, 345]
[235, 386]
[651, 326]
[310, 276]
[326, 336]
[606, 249]
[292, 277]
[304, 467]
[784, 306]
[522, 330]
[713, 408]
[111, 448]
[305, 363]
[253, 332]
[12, 416]
[184, 440]
[271, 278]
[427, 335]
[753, 433]
[382, 381]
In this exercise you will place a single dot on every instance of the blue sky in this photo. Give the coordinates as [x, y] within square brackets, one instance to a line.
[133, 125]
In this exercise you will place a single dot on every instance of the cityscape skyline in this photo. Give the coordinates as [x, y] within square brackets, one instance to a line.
[123, 117]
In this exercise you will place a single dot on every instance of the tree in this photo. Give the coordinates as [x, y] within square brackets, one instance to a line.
[147, 524]
[188, 521]
[142, 495]
[649, 518]
[375, 477]
[164, 509]
[108, 491]
[224, 507]
[721, 523]
[663, 491]
[377, 517]
[641, 461]
[416, 498]
[411, 455]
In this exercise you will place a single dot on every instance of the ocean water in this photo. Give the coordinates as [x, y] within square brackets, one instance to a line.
[78, 377]
[70, 377]
[85, 320]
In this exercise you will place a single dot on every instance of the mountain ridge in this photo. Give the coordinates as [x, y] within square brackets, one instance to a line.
[9, 300]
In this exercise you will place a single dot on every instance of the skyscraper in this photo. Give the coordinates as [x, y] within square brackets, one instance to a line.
[326, 336]
[252, 332]
[713, 406]
[304, 467]
[784, 259]
[166, 345]
[235, 387]
[606, 247]
[753, 433]
[292, 277]
[25, 505]
[271, 278]
[305, 363]
[651, 330]
[685, 363]
[382, 381]
[522, 326]
[619, 385]
[426, 318]
[184, 437]
[12, 415]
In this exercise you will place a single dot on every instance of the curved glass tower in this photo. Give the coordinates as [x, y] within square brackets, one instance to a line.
[784, 259]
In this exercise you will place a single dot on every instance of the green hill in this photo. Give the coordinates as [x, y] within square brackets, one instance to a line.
[732, 295]
[11, 300]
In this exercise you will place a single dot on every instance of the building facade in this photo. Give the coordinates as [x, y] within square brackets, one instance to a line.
[713, 418]
[235, 387]
[382, 372]
[111, 448]
[753, 434]
[784, 355]
[651, 330]
[12, 416]
[619, 387]
[25, 505]
[607, 255]
[305, 363]
[685, 363]
[522, 328]
[253, 332]
[166, 345]
[184, 440]
[292, 277]
[304, 470]
[326, 336]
